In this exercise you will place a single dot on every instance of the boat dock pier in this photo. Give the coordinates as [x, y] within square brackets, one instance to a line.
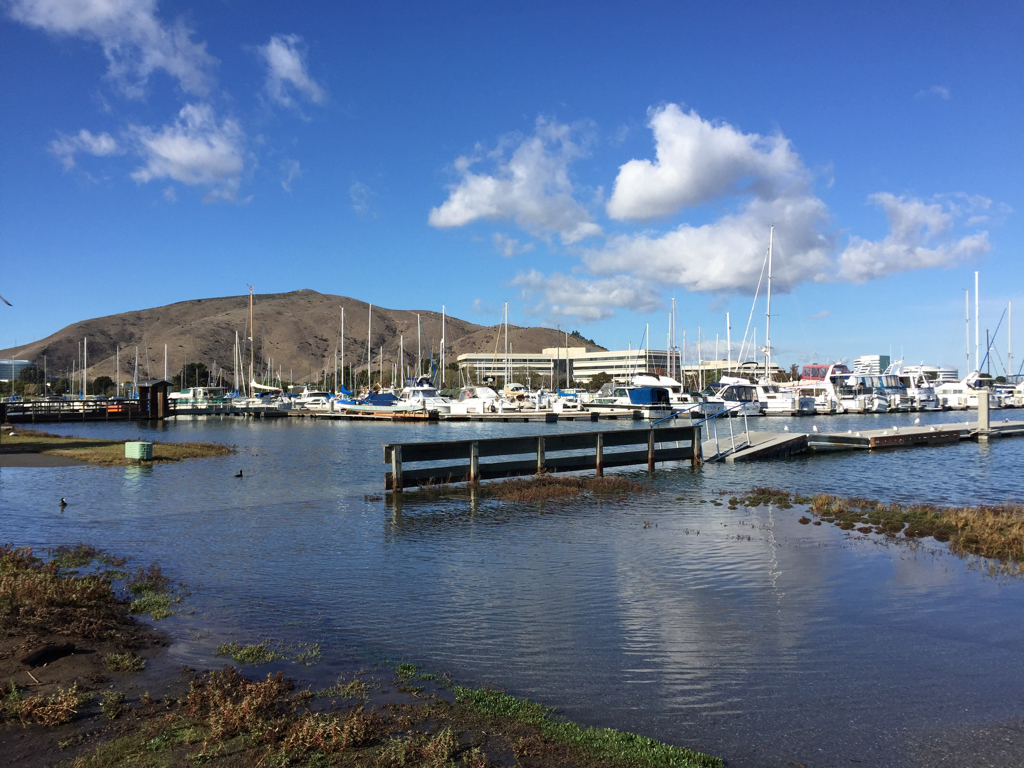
[586, 450]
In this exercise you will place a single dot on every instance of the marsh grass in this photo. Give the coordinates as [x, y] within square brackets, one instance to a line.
[995, 532]
[603, 745]
[532, 489]
[60, 707]
[108, 452]
[257, 653]
[77, 591]
[123, 662]
[229, 718]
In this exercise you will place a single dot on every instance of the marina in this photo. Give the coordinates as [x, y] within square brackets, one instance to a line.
[745, 634]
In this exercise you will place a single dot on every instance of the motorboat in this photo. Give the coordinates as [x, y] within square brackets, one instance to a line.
[476, 399]
[423, 395]
[682, 400]
[649, 402]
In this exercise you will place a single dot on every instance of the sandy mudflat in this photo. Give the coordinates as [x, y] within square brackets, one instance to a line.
[37, 460]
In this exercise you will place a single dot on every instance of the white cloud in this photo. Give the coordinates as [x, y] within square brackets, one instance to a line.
[917, 239]
[939, 91]
[819, 315]
[286, 71]
[727, 254]
[361, 196]
[134, 41]
[565, 295]
[698, 161]
[194, 150]
[532, 188]
[479, 307]
[65, 147]
[170, 195]
[508, 246]
[290, 171]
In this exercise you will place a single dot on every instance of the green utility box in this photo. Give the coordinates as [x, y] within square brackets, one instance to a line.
[138, 451]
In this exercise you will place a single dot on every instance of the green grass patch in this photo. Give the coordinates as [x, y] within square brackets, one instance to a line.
[123, 662]
[603, 744]
[259, 653]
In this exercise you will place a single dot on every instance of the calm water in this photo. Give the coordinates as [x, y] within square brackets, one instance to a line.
[741, 632]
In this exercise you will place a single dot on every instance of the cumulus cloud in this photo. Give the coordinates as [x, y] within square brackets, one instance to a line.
[531, 187]
[135, 42]
[508, 246]
[65, 147]
[565, 295]
[286, 71]
[727, 254]
[919, 238]
[195, 150]
[697, 161]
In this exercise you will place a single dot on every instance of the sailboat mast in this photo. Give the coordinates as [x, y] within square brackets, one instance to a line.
[506, 344]
[369, 354]
[977, 326]
[419, 349]
[728, 340]
[252, 347]
[768, 321]
[1009, 341]
[967, 331]
[442, 348]
[343, 348]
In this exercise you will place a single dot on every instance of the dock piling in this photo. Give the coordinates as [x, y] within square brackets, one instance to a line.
[599, 460]
[540, 454]
[474, 463]
[396, 469]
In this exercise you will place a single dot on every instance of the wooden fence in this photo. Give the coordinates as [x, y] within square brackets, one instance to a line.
[588, 452]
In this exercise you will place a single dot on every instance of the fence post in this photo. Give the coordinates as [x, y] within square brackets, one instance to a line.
[650, 450]
[599, 463]
[474, 462]
[396, 469]
[697, 456]
[540, 454]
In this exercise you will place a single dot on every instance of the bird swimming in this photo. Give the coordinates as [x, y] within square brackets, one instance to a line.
[63, 502]
[917, 420]
[814, 428]
[239, 473]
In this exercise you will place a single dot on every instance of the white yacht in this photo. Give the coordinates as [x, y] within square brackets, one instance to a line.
[421, 394]
[964, 394]
[476, 400]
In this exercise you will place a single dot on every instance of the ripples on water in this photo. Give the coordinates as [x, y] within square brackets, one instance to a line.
[739, 632]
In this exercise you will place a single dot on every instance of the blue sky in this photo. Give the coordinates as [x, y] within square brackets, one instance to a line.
[586, 162]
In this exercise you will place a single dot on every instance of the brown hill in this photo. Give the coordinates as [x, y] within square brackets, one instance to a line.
[296, 332]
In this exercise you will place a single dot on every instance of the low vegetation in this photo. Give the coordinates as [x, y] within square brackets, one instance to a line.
[533, 489]
[991, 531]
[77, 591]
[107, 452]
[228, 718]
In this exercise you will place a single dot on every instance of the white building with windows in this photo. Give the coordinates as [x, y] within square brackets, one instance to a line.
[582, 364]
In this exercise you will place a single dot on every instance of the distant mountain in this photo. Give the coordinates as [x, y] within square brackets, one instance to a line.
[298, 331]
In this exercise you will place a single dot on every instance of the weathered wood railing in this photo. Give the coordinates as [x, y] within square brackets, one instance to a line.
[589, 452]
[70, 410]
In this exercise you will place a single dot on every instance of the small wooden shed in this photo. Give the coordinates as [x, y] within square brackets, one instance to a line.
[154, 399]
